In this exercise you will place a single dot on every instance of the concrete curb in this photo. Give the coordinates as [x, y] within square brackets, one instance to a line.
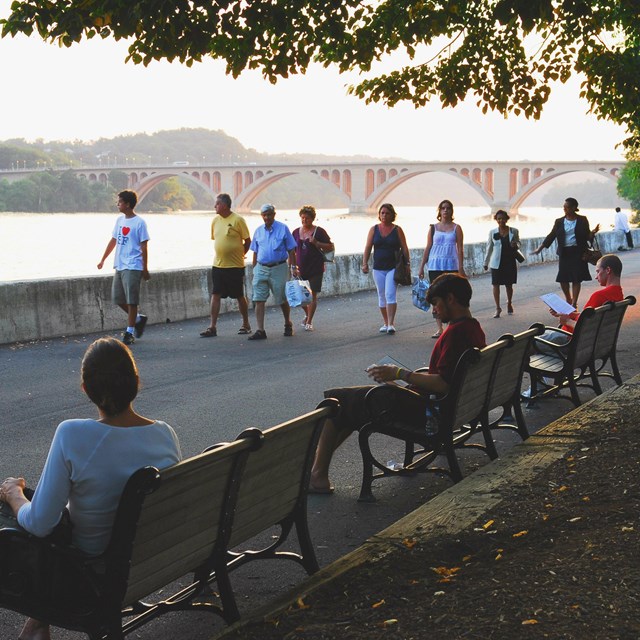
[456, 508]
[40, 309]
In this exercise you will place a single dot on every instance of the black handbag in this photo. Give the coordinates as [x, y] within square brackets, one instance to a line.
[402, 275]
[592, 253]
[518, 255]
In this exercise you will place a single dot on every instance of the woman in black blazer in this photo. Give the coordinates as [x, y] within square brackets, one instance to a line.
[573, 235]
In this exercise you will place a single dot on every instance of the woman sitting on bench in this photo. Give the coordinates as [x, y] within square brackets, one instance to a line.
[90, 460]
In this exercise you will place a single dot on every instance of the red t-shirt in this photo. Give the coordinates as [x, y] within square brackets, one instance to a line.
[612, 293]
[459, 336]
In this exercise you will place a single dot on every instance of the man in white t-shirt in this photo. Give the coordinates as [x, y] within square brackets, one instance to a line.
[621, 227]
[129, 238]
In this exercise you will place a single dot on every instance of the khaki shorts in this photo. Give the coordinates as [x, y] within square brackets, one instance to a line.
[270, 279]
[126, 287]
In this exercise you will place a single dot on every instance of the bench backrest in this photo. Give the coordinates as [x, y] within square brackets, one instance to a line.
[583, 341]
[277, 476]
[470, 385]
[610, 327]
[510, 366]
[182, 512]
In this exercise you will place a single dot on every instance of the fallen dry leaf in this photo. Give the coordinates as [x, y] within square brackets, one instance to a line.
[375, 605]
[531, 621]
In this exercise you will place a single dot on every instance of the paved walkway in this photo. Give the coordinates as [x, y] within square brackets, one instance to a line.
[210, 389]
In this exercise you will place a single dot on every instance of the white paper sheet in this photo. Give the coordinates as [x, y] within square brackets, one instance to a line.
[558, 304]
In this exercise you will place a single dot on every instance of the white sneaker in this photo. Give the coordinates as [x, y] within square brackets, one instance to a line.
[384, 328]
[391, 329]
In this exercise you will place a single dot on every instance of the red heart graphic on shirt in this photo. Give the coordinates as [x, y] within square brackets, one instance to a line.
[125, 230]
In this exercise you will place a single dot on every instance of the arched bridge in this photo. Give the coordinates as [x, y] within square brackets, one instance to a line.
[502, 185]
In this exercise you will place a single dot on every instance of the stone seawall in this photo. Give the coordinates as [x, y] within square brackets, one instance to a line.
[38, 309]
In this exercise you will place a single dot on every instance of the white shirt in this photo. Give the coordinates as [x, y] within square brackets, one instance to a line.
[621, 222]
[88, 464]
[129, 234]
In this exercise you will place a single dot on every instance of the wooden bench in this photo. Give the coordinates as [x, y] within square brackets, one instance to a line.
[463, 412]
[575, 363]
[183, 520]
[507, 380]
[607, 340]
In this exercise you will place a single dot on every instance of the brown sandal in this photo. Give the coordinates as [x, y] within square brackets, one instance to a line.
[209, 332]
[244, 331]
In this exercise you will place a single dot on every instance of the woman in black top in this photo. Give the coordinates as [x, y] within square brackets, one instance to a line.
[385, 238]
[573, 235]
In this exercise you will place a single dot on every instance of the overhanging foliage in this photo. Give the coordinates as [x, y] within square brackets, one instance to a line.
[505, 53]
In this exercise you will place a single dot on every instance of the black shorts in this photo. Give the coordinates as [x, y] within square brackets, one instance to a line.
[407, 406]
[228, 283]
[315, 282]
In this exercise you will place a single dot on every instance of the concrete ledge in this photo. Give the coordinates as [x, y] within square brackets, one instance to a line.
[39, 309]
[458, 507]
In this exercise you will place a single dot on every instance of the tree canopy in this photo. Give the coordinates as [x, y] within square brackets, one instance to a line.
[505, 53]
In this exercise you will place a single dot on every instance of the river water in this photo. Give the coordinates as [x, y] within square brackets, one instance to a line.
[37, 246]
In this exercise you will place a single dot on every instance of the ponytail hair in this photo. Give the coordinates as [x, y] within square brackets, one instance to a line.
[109, 375]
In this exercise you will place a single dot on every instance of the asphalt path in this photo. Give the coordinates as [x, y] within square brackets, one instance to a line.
[211, 389]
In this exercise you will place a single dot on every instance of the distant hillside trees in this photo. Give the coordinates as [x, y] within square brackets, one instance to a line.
[50, 192]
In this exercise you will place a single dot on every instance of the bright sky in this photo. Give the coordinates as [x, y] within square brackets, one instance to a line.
[88, 92]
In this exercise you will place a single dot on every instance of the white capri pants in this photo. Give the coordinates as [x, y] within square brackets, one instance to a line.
[386, 286]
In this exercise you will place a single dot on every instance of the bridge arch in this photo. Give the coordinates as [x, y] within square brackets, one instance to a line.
[144, 183]
[246, 197]
[382, 192]
[540, 178]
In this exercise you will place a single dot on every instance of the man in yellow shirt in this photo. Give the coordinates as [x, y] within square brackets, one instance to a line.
[231, 239]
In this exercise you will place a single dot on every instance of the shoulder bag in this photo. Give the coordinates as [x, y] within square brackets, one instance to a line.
[402, 275]
[327, 256]
[592, 253]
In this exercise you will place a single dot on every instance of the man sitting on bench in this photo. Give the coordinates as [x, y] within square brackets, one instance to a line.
[449, 294]
[608, 272]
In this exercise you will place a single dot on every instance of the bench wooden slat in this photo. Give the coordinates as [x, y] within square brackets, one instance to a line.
[270, 491]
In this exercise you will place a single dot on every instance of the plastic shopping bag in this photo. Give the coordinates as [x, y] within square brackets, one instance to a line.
[419, 290]
[298, 292]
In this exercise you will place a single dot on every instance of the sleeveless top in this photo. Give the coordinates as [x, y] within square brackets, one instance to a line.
[384, 249]
[444, 253]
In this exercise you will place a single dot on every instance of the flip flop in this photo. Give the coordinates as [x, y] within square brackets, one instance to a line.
[244, 331]
[324, 491]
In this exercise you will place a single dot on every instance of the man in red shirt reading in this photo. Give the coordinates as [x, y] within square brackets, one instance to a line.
[608, 272]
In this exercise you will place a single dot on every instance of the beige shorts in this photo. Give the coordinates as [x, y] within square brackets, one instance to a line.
[270, 279]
